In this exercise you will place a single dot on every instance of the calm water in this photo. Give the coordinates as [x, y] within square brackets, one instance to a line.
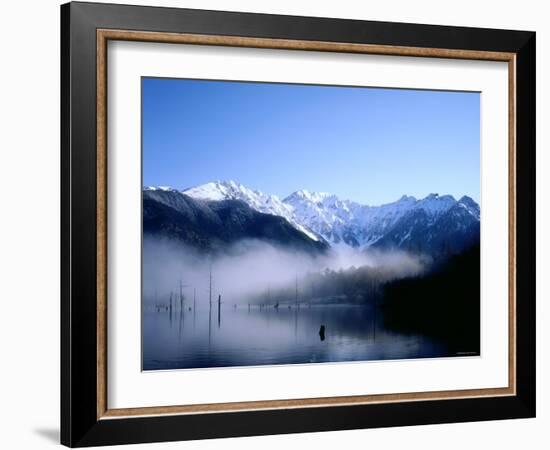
[242, 337]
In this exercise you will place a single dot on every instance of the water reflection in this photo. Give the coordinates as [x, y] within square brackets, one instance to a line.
[259, 335]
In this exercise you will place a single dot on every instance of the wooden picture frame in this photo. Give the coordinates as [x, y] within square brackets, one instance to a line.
[86, 418]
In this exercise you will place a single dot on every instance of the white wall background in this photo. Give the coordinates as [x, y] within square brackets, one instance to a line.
[29, 224]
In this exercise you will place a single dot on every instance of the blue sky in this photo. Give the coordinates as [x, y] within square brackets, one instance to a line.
[370, 145]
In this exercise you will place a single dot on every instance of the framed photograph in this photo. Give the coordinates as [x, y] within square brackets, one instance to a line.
[277, 224]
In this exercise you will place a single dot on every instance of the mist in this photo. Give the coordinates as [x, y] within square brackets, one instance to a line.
[248, 269]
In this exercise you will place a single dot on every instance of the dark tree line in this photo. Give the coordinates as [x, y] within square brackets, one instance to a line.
[444, 303]
[354, 285]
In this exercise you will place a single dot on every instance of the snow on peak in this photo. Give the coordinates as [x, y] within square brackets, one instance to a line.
[304, 194]
[407, 198]
[264, 203]
[470, 205]
[468, 201]
[230, 190]
[215, 190]
[339, 220]
[435, 204]
[158, 188]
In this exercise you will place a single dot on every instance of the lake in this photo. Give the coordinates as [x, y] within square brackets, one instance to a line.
[240, 336]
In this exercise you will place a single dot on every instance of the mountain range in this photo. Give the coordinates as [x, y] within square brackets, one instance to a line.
[221, 212]
[213, 225]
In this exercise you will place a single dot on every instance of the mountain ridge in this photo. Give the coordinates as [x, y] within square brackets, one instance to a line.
[408, 223]
[215, 225]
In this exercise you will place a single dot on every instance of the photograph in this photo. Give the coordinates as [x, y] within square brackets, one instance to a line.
[298, 224]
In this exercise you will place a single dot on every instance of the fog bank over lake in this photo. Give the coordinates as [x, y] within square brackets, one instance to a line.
[249, 267]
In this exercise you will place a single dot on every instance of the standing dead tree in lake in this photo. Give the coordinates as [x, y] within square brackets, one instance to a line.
[210, 288]
[296, 299]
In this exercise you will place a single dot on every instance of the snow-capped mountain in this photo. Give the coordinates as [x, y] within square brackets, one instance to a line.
[213, 226]
[435, 223]
[350, 223]
[264, 203]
